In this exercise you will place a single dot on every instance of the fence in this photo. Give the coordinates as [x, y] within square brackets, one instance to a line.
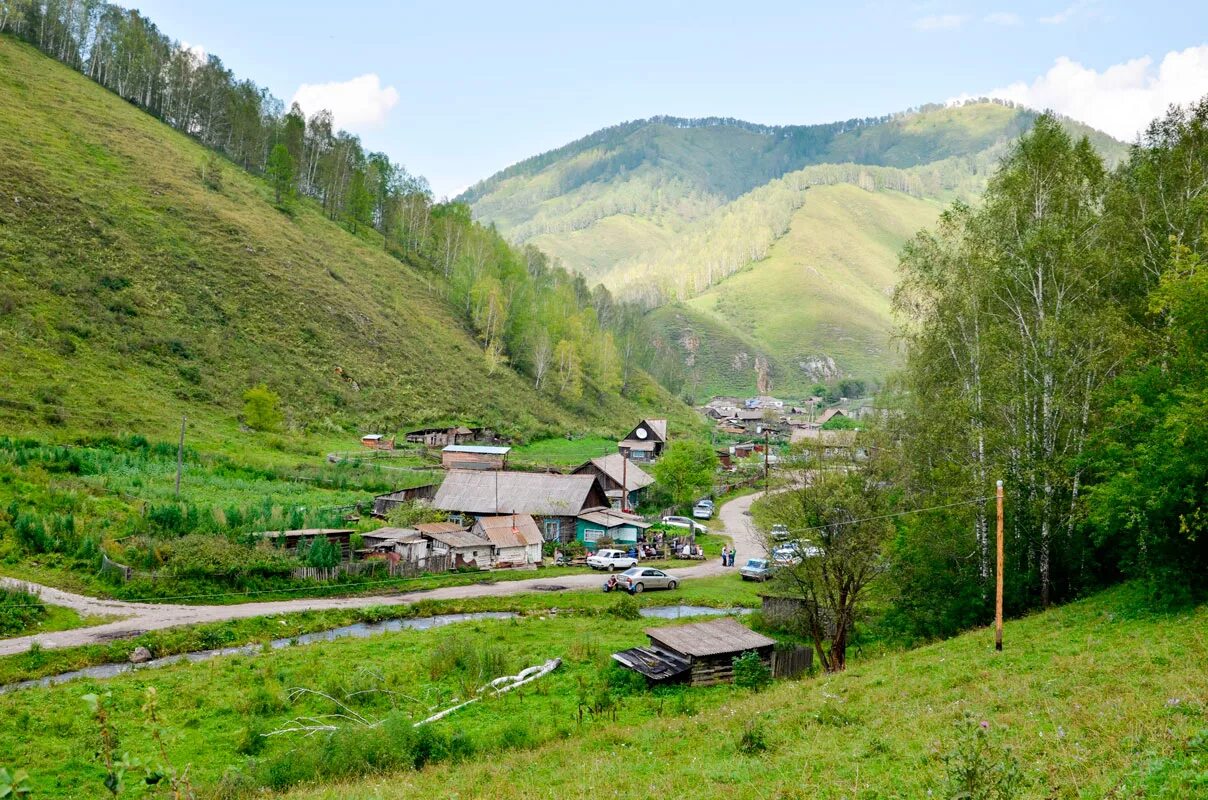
[792, 661]
[377, 566]
[110, 568]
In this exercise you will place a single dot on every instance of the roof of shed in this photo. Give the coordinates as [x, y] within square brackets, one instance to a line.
[489, 450]
[439, 527]
[653, 663]
[479, 492]
[608, 518]
[458, 538]
[307, 532]
[510, 530]
[400, 535]
[710, 638]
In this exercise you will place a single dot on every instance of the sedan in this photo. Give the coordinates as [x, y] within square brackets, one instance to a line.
[639, 579]
[756, 569]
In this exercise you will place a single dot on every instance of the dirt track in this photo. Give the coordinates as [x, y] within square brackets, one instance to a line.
[140, 617]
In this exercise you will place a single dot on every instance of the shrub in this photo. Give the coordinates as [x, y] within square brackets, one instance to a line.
[261, 409]
[19, 611]
[750, 671]
[753, 739]
[978, 768]
[626, 608]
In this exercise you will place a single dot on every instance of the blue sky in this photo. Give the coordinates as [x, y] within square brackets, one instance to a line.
[457, 91]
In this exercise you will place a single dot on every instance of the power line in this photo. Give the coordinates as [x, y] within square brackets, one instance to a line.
[890, 516]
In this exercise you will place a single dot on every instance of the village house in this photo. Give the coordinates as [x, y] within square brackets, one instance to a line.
[646, 441]
[443, 436]
[764, 402]
[383, 504]
[376, 441]
[829, 414]
[515, 537]
[555, 501]
[597, 523]
[722, 413]
[834, 444]
[699, 654]
[612, 469]
[474, 456]
[464, 549]
[291, 540]
[395, 544]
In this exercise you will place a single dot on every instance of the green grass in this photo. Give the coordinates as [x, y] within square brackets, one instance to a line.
[132, 295]
[563, 452]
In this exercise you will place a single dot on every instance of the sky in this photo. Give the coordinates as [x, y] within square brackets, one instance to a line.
[458, 91]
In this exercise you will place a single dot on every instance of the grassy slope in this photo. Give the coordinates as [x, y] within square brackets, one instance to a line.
[718, 359]
[824, 288]
[130, 293]
[1095, 698]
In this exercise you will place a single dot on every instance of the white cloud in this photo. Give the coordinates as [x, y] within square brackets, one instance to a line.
[1122, 99]
[939, 22]
[197, 50]
[355, 104]
[1069, 12]
[1005, 19]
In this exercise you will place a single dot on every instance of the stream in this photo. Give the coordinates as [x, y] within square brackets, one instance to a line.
[359, 630]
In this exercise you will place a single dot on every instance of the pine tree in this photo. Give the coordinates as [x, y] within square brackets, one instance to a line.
[280, 170]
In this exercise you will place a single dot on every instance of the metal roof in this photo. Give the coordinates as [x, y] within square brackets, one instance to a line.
[477, 448]
[613, 465]
[400, 535]
[652, 662]
[457, 538]
[710, 638]
[608, 518]
[478, 492]
[511, 530]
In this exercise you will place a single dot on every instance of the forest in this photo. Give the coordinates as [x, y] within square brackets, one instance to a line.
[527, 313]
[1057, 339]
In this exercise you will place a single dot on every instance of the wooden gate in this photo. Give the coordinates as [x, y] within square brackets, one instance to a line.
[791, 661]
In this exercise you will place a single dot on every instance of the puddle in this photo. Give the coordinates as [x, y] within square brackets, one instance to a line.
[359, 630]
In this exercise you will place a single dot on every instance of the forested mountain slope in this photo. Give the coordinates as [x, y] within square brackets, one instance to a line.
[666, 210]
[143, 278]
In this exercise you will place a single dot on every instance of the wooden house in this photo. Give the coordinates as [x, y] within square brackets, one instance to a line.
[612, 469]
[646, 441]
[400, 544]
[598, 523]
[700, 654]
[376, 441]
[444, 436]
[290, 540]
[829, 414]
[463, 548]
[474, 456]
[725, 458]
[515, 537]
[383, 504]
[554, 501]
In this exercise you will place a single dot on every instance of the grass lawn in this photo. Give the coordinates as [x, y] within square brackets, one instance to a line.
[562, 452]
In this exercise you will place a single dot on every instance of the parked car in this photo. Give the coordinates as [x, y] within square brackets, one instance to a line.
[795, 552]
[611, 559]
[702, 510]
[685, 522]
[780, 532]
[756, 569]
[639, 579]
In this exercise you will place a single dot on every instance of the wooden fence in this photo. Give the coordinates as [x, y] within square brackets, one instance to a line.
[791, 661]
[375, 567]
[111, 568]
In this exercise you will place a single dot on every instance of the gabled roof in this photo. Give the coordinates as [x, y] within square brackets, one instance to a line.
[657, 428]
[710, 638]
[829, 414]
[613, 465]
[460, 537]
[510, 530]
[439, 527]
[478, 492]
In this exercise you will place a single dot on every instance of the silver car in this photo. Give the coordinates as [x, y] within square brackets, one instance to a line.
[639, 579]
[756, 569]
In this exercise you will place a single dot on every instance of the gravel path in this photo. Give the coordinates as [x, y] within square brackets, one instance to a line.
[141, 617]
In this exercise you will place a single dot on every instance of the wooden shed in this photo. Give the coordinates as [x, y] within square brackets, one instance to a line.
[700, 654]
[474, 456]
[462, 548]
[383, 504]
[340, 537]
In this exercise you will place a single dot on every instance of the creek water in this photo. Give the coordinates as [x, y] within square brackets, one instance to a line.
[357, 630]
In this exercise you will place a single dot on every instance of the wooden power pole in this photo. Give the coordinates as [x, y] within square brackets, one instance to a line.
[180, 455]
[998, 578]
[766, 471]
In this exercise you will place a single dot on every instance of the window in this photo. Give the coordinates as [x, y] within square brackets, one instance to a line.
[553, 529]
[592, 534]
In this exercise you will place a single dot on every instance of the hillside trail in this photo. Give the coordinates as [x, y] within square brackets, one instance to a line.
[139, 618]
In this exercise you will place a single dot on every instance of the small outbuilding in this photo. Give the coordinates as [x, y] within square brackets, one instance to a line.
[383, 504]
[376, 441]
[474, 456]
[700, 654]
[516, 538]
[464, 549]
[291, 540]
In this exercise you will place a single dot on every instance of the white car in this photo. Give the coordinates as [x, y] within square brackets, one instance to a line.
[685, 522]
[611, 559]
[702, 510]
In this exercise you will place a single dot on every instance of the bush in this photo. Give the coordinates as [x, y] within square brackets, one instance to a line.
[626, 608]
[753, 740]
[19, 611]
[261, 409]
[979, 769]
[750, 671]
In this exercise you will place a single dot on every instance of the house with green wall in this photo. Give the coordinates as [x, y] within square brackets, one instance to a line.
[598, 523]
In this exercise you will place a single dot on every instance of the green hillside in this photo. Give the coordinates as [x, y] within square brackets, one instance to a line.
[667, 210]
[134, 291]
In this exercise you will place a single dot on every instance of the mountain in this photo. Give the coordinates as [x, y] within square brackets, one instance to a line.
[784, 238]
[143, 279]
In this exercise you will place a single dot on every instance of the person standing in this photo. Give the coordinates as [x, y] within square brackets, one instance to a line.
[725, 555]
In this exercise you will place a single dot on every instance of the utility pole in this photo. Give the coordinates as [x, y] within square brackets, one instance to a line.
[624, 479]
[180, 455]
[998, 579]
[766, 470]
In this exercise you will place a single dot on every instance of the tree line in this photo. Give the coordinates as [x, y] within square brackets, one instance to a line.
[528, 313]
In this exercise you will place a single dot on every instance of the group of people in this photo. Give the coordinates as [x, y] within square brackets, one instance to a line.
[727, 555]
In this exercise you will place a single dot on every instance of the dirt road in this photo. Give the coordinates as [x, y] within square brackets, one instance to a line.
[142, 617]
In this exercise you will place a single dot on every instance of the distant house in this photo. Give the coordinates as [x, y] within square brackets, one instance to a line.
[749, 415]
[611, 470]
[699, 654]
[383, 504]
[376, 441]
[722, 412]
[464, 548]
[515, 537]
[402, 544]
[646, 441]
[474, 456]
[440, 437]
[597, 523]
[554, 501]
[834, 444]
[829, 414]
[725, 459]
[744, 450]
[291, 540]
[763, 401]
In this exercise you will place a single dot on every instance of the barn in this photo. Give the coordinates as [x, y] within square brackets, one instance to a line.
[474, 456]
[699, 654]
